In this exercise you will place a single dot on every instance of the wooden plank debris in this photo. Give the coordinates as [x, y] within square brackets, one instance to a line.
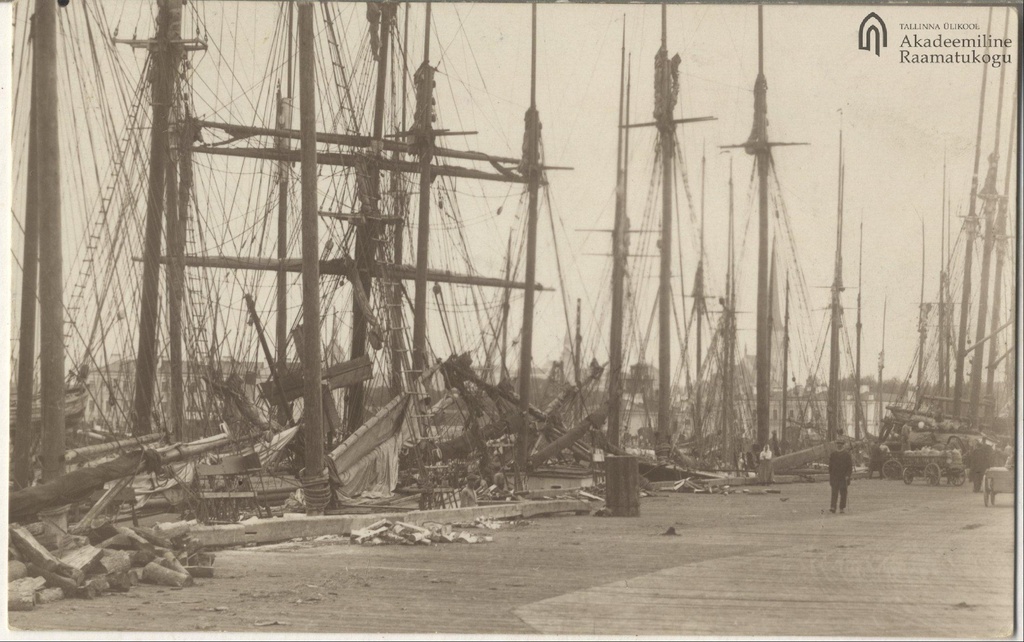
[21, 594]
[154, 573]
[82, 558]
[38, 555]
[114, 561]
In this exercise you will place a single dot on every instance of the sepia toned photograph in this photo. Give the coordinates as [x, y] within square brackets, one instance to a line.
[545, 320]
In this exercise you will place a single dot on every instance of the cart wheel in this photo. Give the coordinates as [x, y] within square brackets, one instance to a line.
[892, 469]
[957, 478]
[908, 475]
[933, 474]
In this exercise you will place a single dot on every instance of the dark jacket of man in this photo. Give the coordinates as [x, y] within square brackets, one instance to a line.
[840, 467]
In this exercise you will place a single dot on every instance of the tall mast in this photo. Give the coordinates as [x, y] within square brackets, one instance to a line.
[758, 146]
[858, 412]
[618, 266]
[368, 231]
[729, 318]
[990, 197]
[284, 121]
[881, 367]
[943, 331]
[400, 187]
[532, 166]
[922, 330]
[665, 133]
[162, 83]
[423, 125]
[785, 365]
[772, 295]
[1000, 241]
[505, 310]
[177, 146]
[24, 431]
[51, 294]
[971, 223]
[698, 298]
[834, 392]
[578, 349]
[314, 482]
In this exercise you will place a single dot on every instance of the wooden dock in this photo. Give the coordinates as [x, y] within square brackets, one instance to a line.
[914, 561]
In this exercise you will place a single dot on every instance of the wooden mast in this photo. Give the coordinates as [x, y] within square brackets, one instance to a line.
[922, 329]
[881, 367]
[971, 224]
[699, 308]
[422, 124]
[284, 121]
[176, 205]
[943, 386]
[162, 83]
[858, 411]
[785, 366]
[1000, 241]
[532, 167]
[398, 350]
[505, 307]
[990, 197]
[618, 268]
[312, 415]
[25, 433]
[367, 232]
[729, 317]
[758, 146]
[578, 347]
[834, 388]
[665, 137]
[51, 294]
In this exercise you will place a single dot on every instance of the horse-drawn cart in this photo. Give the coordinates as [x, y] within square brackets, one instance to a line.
[933, 465]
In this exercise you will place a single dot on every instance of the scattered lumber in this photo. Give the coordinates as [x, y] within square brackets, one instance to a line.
[36, 553]
[106, 558]
[21, 594]
[114, 561]
[387, 532]
[82, 558]
[154, 573]
[52, 579]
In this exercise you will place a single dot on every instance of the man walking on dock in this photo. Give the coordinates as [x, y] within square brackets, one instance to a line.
[840, 468]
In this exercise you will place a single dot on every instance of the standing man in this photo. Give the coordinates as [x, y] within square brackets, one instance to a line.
[775, 444]
[840, 468]
[875, 460]
[981, 460]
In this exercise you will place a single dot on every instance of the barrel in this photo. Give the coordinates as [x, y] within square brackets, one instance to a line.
[622, 486]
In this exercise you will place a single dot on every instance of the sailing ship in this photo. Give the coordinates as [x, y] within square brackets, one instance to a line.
[950, 402]
[368, 127]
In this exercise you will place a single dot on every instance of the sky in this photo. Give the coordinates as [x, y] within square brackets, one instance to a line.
[900, 123]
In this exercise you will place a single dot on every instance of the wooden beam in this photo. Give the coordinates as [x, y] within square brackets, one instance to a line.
[337, 376]
[344, 266]
[352, 140]
[339, 159]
